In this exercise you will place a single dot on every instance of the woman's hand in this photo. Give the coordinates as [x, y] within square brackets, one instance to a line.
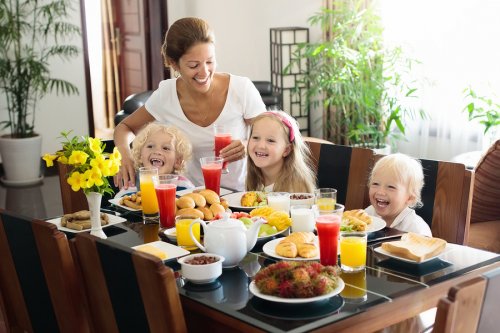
[125, 178]
[234, 151]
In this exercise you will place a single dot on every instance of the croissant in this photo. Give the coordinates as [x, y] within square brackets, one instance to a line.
[307, 250]
[300, 237]
[286, 249]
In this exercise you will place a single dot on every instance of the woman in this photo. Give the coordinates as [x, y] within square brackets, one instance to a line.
[193, 101]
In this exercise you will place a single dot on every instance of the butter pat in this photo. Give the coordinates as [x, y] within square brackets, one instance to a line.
[152, 250]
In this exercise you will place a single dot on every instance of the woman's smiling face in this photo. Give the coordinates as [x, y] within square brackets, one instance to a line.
[159, 151]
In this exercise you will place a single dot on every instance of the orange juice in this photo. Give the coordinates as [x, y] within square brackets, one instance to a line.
[326, 204]
[151, 232]
[148, 193]
[182, 230]
[352, 250]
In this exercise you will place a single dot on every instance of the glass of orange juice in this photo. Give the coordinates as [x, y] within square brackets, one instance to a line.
[353, 250]
[150, 210]
[326, 198]
[182, 224]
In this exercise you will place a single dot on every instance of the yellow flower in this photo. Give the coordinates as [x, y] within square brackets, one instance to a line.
[49, 159]
[90, 164]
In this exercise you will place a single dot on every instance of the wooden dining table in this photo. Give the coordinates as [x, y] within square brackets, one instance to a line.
[386, 292]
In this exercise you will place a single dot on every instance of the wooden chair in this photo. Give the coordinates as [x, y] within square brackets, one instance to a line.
[314, 145]
[485, 213]
[128, 291]
[447, 199]
[471, 306]
[38, 280]
[346, 169]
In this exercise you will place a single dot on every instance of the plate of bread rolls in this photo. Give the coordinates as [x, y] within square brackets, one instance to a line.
[128, 200]
[296, 246]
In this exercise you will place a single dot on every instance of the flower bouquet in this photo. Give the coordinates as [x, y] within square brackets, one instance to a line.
[90, 168]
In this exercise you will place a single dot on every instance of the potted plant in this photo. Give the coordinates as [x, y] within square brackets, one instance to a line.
[32, 33]
[360, 84]
[484, 110]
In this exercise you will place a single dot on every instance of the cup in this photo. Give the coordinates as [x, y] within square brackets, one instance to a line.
[222, 138]
[165, 187]
[353, 250]
[182, 225]
[328, 227]
[150, 210]
[302, 218]
[279, 201]
[355, 286]
[326, 198]
[212, 169]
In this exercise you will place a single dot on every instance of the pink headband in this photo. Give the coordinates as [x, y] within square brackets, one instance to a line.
[286, 122]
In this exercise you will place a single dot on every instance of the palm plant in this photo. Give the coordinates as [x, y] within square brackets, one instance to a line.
[358, 82]
[32, 33]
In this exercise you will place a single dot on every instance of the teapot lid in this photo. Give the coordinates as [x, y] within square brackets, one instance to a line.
[226, 222]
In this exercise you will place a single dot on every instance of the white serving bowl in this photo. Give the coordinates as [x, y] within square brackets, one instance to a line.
[306, 199]
[201, 273]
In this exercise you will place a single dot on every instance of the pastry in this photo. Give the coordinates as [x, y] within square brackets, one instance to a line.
[217, 208]
[300, 237]
[248, 199]
[185, 202]
[357, 214]
[199, 200]
[286, 249]
[192, 212]
[307, 250]
[210, 196]
[207, 213]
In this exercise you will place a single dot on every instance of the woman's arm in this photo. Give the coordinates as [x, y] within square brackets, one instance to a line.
[123, 135]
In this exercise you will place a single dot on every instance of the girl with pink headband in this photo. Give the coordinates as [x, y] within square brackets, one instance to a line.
[278, 159]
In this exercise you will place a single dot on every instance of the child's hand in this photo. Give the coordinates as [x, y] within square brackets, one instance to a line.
[234, 151]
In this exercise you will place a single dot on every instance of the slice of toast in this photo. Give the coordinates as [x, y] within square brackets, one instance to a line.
[415, 247]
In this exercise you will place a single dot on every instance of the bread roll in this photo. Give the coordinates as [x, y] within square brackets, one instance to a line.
[190, 212]
[415, 247]
[217, 208]
[199, 200]
[224, 203]
[185, 202]
[210, 196]
[286, 249]
[207, 213]
[300, 237]
[307, 250]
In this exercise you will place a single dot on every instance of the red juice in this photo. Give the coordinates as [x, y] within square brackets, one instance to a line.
[328, 235]
[166, 202]
[222, 140]
[211, 175]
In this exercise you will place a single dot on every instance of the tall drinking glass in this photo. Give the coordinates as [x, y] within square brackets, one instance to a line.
[165, 187]
[279, 201]
[326, 198]
[212, 169]
[222, 137]
[150, 210]
[328, 236]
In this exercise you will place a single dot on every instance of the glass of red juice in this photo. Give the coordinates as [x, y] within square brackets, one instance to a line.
[222, 137]
[328, 227]
[165, 188]
[212, 170]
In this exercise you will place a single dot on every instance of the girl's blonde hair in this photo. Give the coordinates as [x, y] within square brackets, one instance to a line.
[405, 170]
[182, 146]
[296, 174]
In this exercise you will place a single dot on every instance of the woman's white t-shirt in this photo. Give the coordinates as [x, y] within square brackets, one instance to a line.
[243, 102]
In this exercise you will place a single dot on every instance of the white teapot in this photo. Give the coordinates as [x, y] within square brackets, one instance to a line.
[228, 237]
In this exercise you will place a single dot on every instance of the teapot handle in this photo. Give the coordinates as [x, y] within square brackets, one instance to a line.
[203, 224]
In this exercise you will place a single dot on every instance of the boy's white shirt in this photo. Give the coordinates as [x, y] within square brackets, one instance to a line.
[407, 220]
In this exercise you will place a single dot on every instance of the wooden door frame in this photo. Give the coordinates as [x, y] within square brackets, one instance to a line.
[158, 24]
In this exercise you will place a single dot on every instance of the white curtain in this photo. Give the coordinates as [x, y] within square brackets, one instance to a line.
[457, 43]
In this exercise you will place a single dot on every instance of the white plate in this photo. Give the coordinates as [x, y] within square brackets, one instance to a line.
[113, 219]
[234, 201]
[376, 225]
[261, 238]
[116, 200]
[180, 193]
[172, 251]
[254, 290]
[269, 247]
[171, 234]
[380, 250]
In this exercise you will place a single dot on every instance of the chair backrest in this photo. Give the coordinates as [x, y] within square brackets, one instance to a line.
[128, 291]
[38, 280]
[447, 199]
[486, 194]
[346, 169]
[461, 309]
[471, 306]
